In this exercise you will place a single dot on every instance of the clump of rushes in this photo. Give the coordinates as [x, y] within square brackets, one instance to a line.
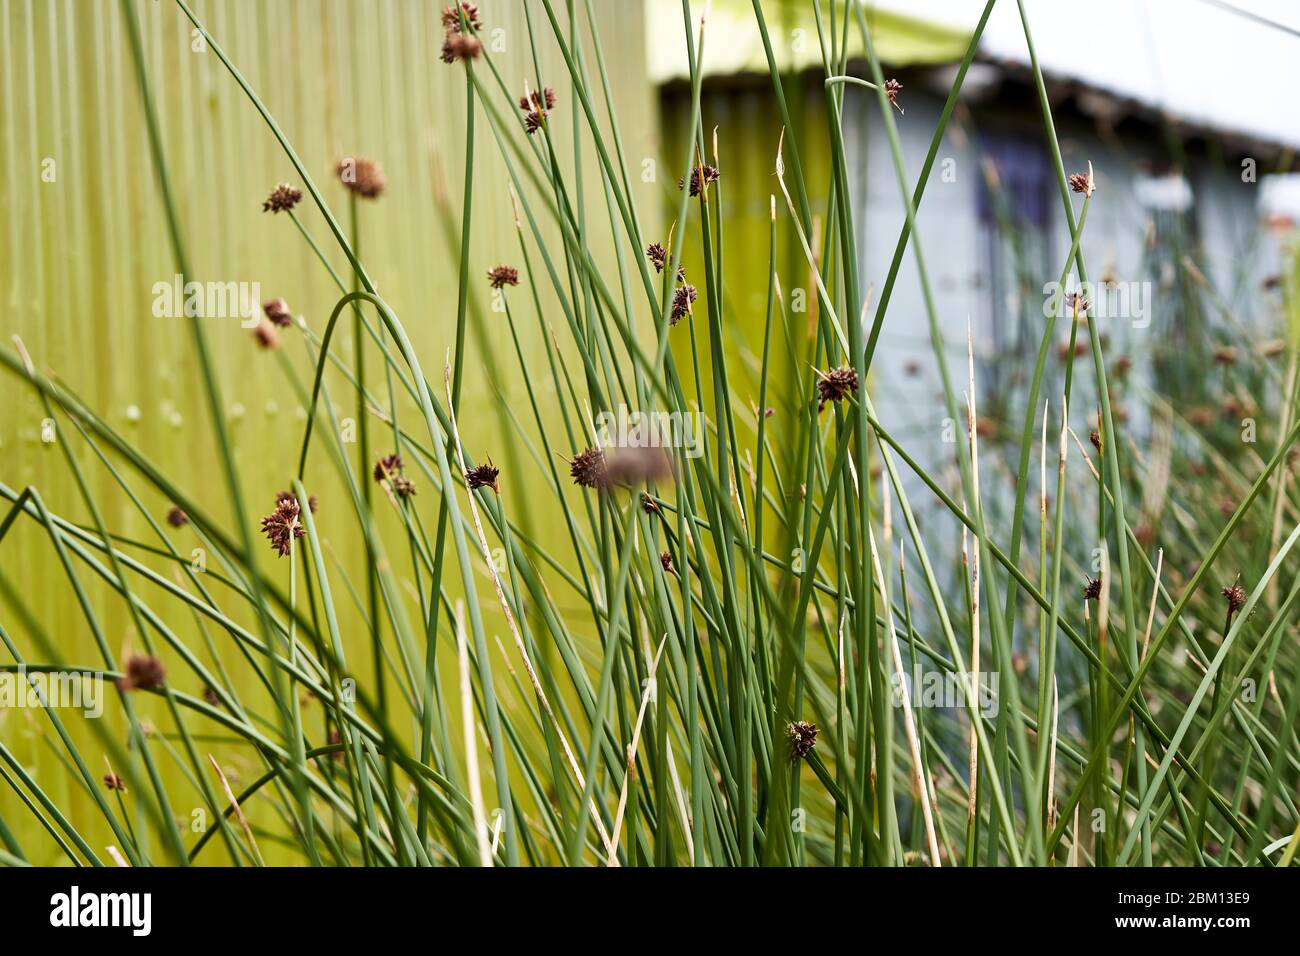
[142, 672]
[456, 43]
[1083, 182]
[176, 517]
[363, 176]
[803, 737]
[1092, 589]
[277, 312]
[588, 468]
[702, 177]
[283, 198]
[836, 385]
[282, 525]
[484, 476]
[290, 496]
[113, 782]
[683, 299]
[501, 276]
[1236, 598]
[892, 89]
[537, 106]
[658, 257]
[265, 335]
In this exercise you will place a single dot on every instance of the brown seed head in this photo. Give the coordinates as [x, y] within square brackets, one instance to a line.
[1236, 597]
[176, 517]
[460, 46]
[484, 476]
[142, 672]
[666, 560]
[289, 495]
[836, 385]
[113, 782]
[1083, 183]
[388, 466]
[277, 312]
[1092, 589]
[363, 176]
[282, 525]
[803, 737]
[588, 469]
[501, 276]
[892, 89]
[283, 198]
[451, 17]
[403, 487]
[702, 177]
[683, 298]
[1094, 436]
[265, 334]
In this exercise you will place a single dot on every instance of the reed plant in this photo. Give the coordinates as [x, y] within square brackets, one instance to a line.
[720, 659]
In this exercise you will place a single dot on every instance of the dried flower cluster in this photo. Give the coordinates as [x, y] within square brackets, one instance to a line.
[265, 335]
[1092, 589]
[702, 177]
[1083, 183]
[588, 468]
[283, 198]
[390, 469]
[290, 496]
[501, 276]
[176, 517]
[363, 176]
[658, 257]
[1236, 597]
[142, 672]
[836, 385]
[283, 524]
[537, 105]
[456, 43]
[277, 312]
[803, 737]
[113, 782]
[892, 89]
[484, 476]
[683, 298]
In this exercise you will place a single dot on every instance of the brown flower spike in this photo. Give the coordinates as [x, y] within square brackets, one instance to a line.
[588, 468]
[289, 495]
[836, 385]
[501, 276]
[658, 257]
[277, 312]
[1083, 182]
[113, 782]
[266, 336]
[683, 299]
[702, 177]
[282, 525]
[283, 198]
[1236, 597]
[1092, 589]
[803, 737]
[536, 105]
[176, 517]
[363, 176]
[892, 89]
[460, 46]
[142, 672]
[484, 476]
